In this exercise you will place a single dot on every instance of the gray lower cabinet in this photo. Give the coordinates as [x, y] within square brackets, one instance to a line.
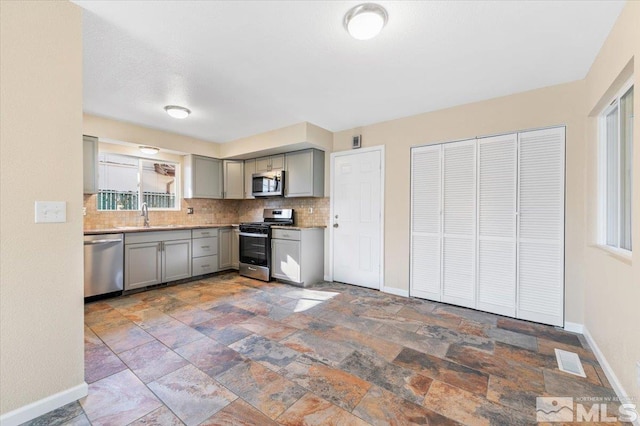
[202, 177]
[305, 173]
[176, 256]
[204, 245]
[224, 241]
[235, 248]
[156, 257]
[142, 265]
[297, 255]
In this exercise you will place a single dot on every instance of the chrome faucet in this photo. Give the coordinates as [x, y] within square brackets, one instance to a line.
[145, 214]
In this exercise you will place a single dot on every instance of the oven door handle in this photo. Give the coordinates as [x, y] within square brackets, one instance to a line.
[248, 234]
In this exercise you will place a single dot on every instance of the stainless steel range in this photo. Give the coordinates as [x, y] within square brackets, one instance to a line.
[255, 243]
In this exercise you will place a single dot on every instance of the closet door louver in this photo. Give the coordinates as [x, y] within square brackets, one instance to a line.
[426, 223]
[459, 220]
[541, 226]
[497, 191]
[487, 224]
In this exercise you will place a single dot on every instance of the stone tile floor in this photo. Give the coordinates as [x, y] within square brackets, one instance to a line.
[227, 350]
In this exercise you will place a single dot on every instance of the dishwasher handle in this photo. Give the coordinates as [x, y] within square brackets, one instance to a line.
[94, 242]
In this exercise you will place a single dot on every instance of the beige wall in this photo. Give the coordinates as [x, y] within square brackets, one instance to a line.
[290, 138]
[105, 128]
[41, 290]
[612, 285]
[551, 106]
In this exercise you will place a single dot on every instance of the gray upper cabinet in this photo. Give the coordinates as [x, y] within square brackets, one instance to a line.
[249, 170]
[202, 177]
[233, 179]
[305, 173]
[268, 164]
[90, 164]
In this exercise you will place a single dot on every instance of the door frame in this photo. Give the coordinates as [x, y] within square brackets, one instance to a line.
[379, 148]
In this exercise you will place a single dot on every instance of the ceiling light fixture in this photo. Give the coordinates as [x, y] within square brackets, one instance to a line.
[177, 111]
[149, 150]
[365, 21]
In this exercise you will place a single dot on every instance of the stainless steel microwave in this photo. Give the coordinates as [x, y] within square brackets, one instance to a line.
[268, 184]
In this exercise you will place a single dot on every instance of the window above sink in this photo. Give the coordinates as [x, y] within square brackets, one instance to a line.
[126, 181]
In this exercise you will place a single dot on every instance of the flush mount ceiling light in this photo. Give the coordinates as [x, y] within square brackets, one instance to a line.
[149, 150]
[177, 111]
[365, 21]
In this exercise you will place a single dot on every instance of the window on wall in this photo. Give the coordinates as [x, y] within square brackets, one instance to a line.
[125, 182]
[616, 175]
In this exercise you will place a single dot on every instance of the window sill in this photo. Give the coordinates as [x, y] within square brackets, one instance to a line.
[622, 255]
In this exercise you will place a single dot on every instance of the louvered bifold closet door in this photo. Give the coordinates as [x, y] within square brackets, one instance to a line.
[497, 192]
[541, 156]
[459, 223]
[426, 223]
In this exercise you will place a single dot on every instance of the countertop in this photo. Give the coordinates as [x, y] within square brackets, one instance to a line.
[127, 229]
[296, 227]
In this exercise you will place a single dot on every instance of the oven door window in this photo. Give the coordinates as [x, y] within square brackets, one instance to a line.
[254, 250]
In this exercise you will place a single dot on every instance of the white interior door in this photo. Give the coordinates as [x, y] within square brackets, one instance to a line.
[356, 201]
[541, 226]
[426, 222]
[497, 192]
[459, 223]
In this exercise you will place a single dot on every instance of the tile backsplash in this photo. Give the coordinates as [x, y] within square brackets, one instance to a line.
[308, 212]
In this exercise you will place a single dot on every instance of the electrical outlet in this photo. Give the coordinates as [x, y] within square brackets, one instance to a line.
[310, 210]
[84, 211]
[189, 210]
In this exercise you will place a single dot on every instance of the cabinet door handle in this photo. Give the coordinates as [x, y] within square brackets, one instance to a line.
[205, 233]
[204, 247]
[205, 266]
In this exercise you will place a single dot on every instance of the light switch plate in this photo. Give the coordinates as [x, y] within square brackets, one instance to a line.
[51, 211]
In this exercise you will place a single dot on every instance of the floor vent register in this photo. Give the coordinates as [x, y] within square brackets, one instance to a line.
[569, 362]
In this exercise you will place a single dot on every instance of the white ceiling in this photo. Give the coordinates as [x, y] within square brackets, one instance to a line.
[245, 67]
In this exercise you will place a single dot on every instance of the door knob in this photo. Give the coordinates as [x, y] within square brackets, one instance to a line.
[335, 225]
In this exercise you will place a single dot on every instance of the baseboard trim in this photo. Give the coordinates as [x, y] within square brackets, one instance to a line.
[574, 327]
[43, 406]
[608, 371]
[395, 291]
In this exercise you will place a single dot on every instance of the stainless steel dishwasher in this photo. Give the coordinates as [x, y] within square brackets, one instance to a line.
[103, 264]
